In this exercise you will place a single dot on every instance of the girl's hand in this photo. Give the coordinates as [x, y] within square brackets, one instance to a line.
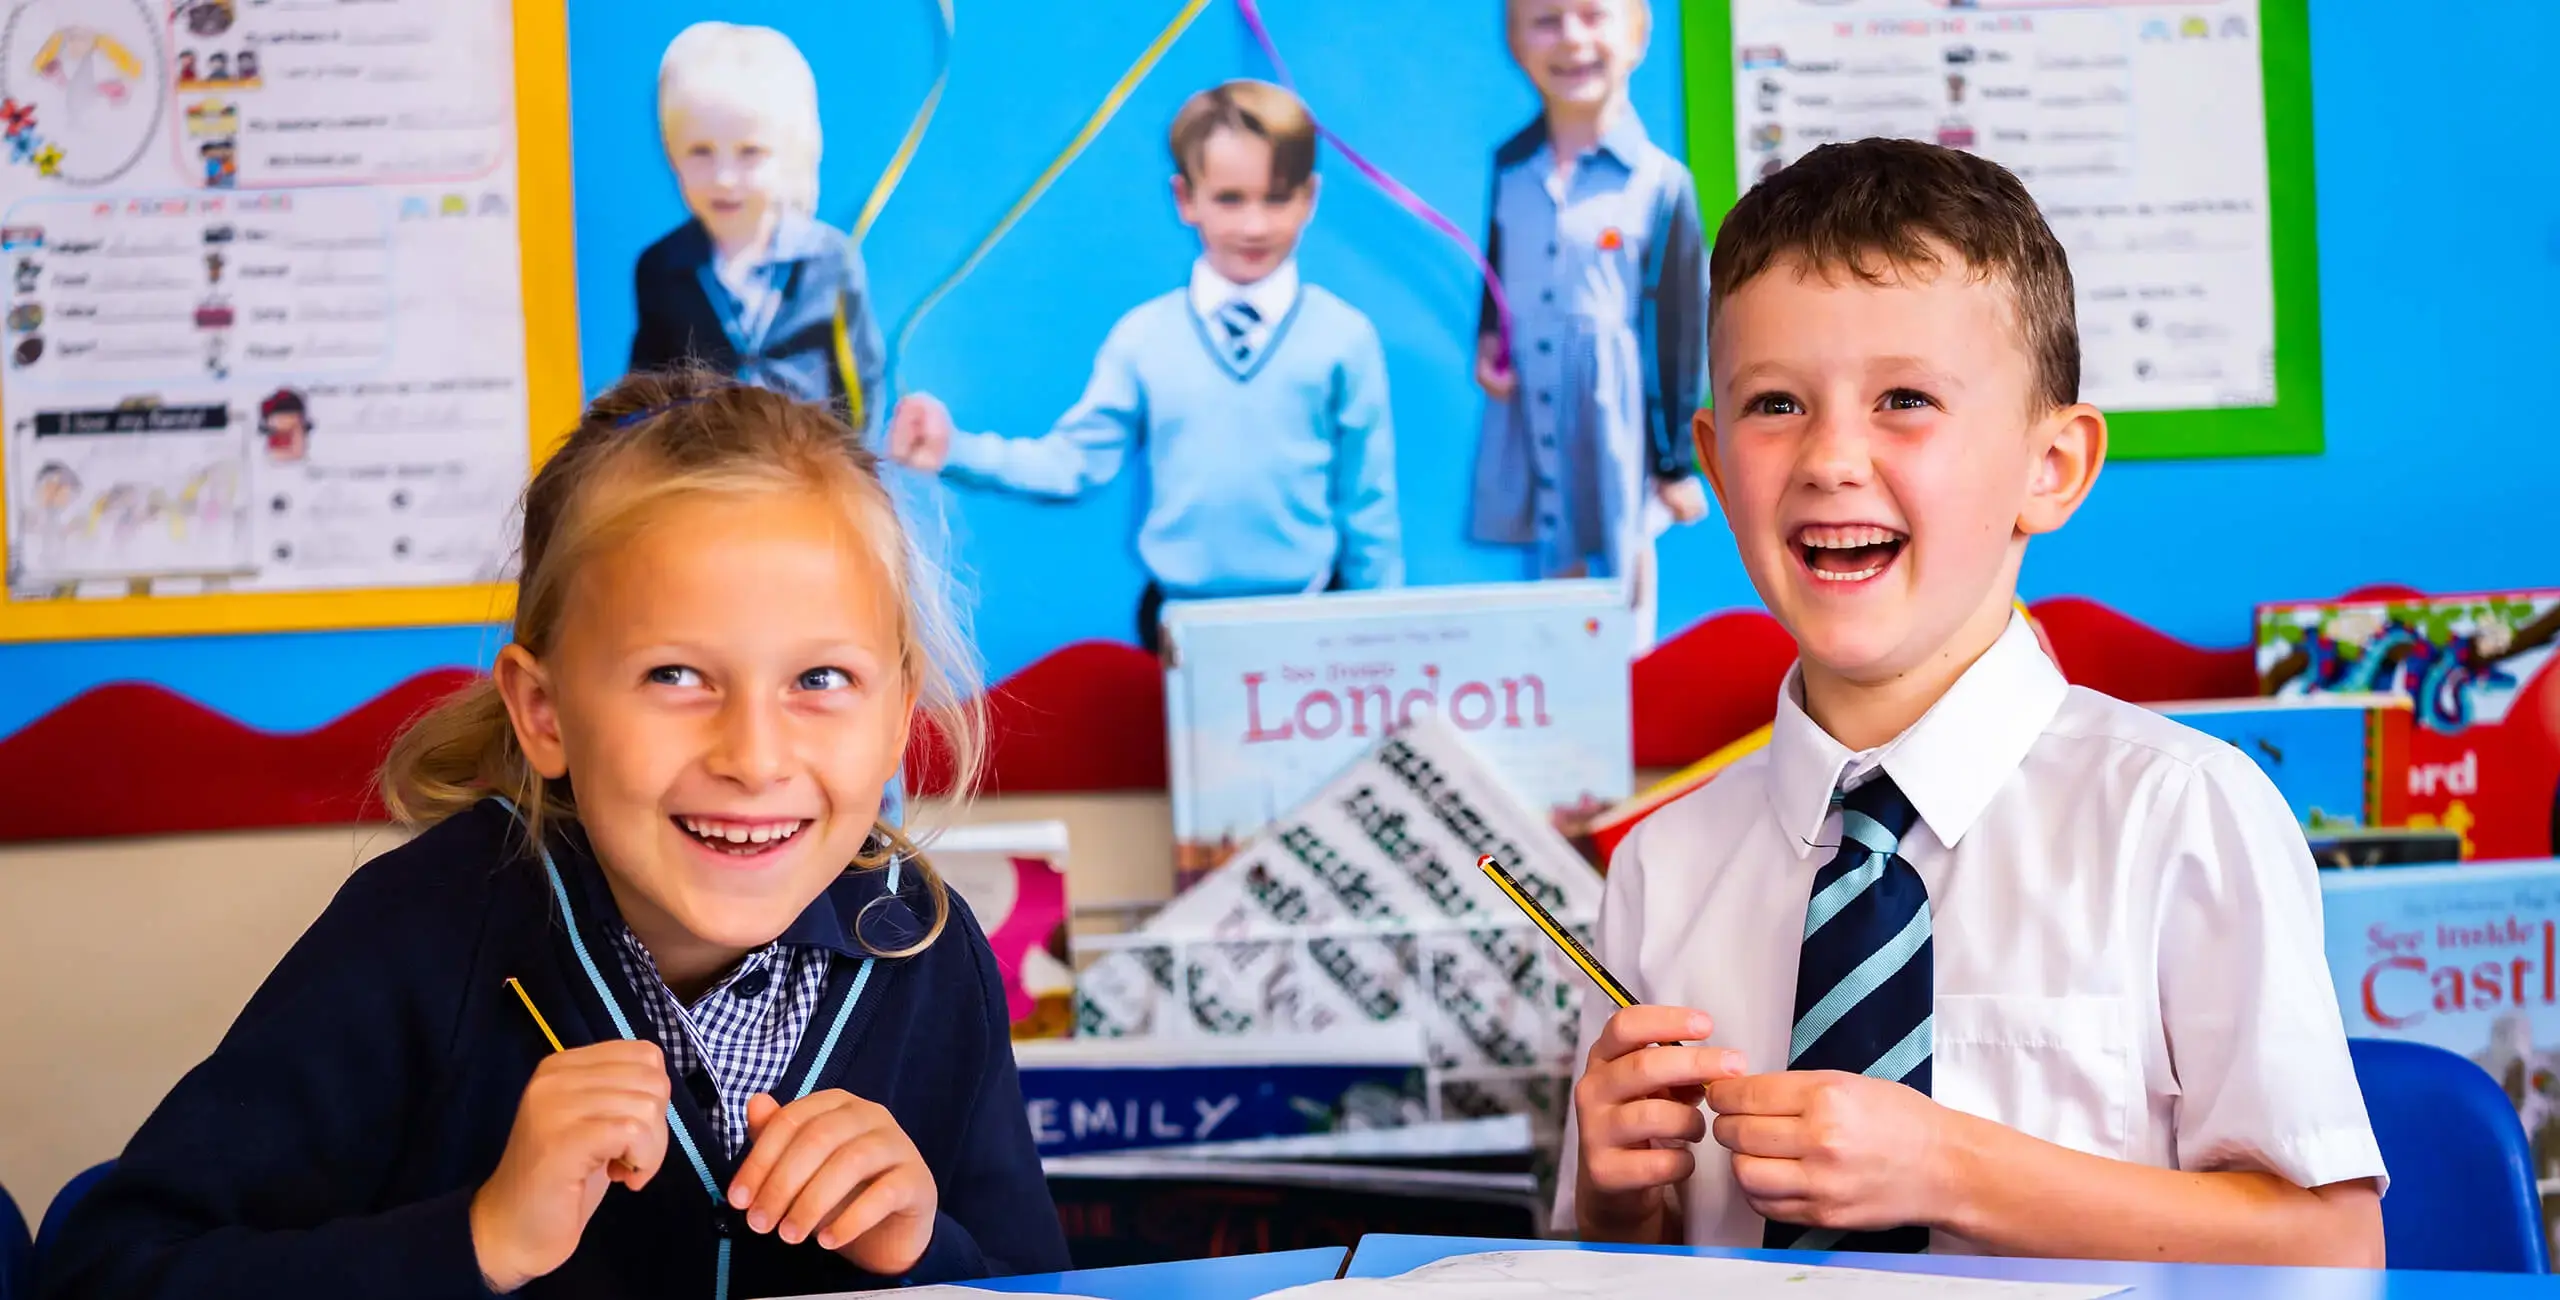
[837, 1168]
[1498, 380]
[590, 1116]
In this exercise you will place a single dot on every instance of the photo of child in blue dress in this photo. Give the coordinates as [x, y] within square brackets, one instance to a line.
[1585, 456]
[753, 284]
[1258, 400]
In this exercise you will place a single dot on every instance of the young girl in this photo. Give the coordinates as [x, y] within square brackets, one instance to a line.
[753, 283]
[1586, 455]
[786, 1065]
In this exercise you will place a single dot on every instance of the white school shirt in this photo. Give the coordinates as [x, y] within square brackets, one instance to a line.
[1271, 297]
[2125, 920]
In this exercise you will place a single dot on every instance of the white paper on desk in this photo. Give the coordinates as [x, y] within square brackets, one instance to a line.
[1541, 1274]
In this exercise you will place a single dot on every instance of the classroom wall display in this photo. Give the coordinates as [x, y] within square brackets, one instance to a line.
[2466, 958]
[2147, 594]
[2169, 146]
[275, 348]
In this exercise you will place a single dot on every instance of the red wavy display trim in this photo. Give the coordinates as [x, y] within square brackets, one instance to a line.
[131, 759]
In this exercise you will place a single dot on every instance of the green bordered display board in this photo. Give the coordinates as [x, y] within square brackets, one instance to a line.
[2168, 143]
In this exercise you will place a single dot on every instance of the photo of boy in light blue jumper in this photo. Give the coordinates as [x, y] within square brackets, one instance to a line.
[1586, 457]
[1260, 401]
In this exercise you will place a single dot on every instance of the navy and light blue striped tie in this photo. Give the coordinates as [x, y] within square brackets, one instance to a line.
[1865, 979]
[1239, 318]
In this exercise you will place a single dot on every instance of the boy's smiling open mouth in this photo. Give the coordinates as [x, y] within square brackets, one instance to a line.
[1848, 552]
[741, 837]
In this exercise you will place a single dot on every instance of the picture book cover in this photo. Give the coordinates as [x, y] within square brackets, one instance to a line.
[1267, 699]
[2484, 742]
[2465, 957]
[1014, 876]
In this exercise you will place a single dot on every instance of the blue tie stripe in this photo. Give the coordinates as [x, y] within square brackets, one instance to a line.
[1908, 1055]
[1870, 834]
[1841, 892]
[1868, 976]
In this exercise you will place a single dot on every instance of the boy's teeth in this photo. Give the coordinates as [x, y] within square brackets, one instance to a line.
[1845, 539]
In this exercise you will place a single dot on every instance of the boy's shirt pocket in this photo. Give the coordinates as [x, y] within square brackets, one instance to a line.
[2064, 1069]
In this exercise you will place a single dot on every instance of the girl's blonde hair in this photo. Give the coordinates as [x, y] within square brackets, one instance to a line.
[650, 440]
[761, 69]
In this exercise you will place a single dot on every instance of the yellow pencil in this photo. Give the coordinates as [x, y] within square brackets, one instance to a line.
[1563, 939]
[620, 1165]
[538, 1021]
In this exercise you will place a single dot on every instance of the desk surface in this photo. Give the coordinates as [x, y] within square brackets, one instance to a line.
[1232, 1277]
[1380, 1255]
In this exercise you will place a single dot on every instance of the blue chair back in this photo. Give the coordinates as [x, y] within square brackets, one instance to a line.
[50, 1230]
[2463, 1191]
[17, 1254]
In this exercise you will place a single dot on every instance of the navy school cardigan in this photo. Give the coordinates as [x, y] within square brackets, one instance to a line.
[332, 1142]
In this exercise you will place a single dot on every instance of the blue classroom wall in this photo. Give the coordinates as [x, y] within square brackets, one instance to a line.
[2439, 231]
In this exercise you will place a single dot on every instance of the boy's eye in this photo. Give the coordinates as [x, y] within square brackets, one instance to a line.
[751, 152]
[825, 679]
[1773, 404]
[674, 675]
[1907, 399]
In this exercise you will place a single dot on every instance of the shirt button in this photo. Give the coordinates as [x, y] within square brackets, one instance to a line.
[753, 983]
[1551, 248]
[1546, 398]
[1546, 483]
[1547, 296]
[1546, 345]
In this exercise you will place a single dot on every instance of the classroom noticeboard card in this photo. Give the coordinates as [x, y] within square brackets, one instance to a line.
[1266, 700]
[2143, 133]
[1362, 908]
[264, 322]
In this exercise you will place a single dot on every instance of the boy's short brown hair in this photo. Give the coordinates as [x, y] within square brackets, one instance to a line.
[1258, 109]
[1845, 206]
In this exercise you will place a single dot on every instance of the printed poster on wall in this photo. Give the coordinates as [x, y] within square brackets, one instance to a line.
[264, 317]
[2139, 128]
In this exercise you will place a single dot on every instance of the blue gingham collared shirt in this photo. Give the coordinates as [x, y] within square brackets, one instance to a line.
[742, 1032]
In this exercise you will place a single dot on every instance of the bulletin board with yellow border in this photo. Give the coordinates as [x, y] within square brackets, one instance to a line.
[552, 393]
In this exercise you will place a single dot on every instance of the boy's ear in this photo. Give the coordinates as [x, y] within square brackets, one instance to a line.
[1702, 431]
[2070, 448]
[1182, 199]
[525, 686]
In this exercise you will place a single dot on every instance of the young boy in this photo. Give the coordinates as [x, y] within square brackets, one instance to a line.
[753, 284]
[1261, 401]
[1585, 454]
[2126, 1047]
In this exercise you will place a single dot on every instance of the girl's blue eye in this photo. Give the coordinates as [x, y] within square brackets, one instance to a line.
[674, 675]
[825, 679]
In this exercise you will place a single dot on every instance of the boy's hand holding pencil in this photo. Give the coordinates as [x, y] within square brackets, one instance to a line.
[1637, 1109]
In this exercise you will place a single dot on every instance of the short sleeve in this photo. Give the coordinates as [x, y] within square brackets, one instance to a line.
[1616, 943]
[2256, 1043]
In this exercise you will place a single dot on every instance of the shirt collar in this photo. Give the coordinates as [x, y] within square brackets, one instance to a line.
[1271, 295]
[1625, 140]
[1949, 764]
